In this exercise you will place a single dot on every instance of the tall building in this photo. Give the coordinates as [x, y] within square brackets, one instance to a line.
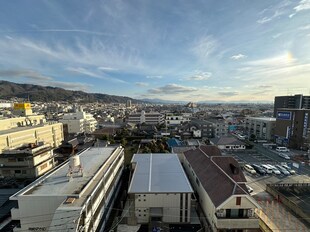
[76, 196]
[293, 128]
[293, 102]
[128, 103]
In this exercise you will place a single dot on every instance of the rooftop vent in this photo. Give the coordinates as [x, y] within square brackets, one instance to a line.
[234, 169]
[75, 167]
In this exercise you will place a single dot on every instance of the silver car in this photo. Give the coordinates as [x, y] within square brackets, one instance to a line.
[283, 170]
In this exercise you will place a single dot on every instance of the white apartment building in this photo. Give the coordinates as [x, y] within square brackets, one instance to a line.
[160, 189]
[79, 122]
[48, 133]
[152, 118]
[29, 161]
[173, 119]
[261, 127]
[76, 196]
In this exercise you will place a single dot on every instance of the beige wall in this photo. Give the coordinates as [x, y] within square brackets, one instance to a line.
[49, 133]
[6, 124]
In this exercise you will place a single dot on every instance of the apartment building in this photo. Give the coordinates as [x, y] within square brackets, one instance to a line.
[48, 133]
[160, 189]
[293, 128]
[261, 127]
[29, 161]
[297, 101]
[31, 120]
[175, 119]
[76, 196]
[152, 118]
[221, 190]
[79, 122]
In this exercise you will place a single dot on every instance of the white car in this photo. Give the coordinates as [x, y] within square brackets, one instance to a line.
[275, 170]
[283, 155]
[291, 171]
[282, 149]
[249, 169]
[283, 170]
[250, 190]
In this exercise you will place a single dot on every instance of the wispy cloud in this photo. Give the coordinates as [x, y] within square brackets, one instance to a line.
[302, 5]
[228, 94]
[199, 76]
[172, 89]
[267, 19]
[154, 77]
[141, 84]
[107, 69]
[238, 57]
[274, 12]
[205, 46]
[306, 27]
[28, 74]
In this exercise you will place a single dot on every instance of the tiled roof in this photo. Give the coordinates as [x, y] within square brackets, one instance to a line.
[215, 173]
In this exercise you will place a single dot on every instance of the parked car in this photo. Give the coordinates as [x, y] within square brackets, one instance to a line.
[250, 190]
[274, 170]
[283, 155]
[249, 169]
[258, 169]
[267, 168]
[283, 170]
[291, 171]
[282, 149]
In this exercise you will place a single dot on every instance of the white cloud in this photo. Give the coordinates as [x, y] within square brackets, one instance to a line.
[303, 5]
[306, 27]
[238, 57]
[107, 69]
[172, 89]
[228, 94]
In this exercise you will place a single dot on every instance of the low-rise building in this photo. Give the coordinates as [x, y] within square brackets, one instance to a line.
[219, 184]
[160, 189]
[76, 196]
[261, 127]
[174, 119]
[228, 142]
[29, 161]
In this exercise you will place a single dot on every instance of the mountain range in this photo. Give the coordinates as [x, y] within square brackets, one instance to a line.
[10, 90]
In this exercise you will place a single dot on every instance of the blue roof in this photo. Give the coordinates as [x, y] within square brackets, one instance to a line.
[173, 142]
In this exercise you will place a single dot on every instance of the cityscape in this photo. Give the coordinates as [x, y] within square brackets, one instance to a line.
[155, 116]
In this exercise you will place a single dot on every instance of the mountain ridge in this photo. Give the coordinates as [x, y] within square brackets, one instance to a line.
[48, 93]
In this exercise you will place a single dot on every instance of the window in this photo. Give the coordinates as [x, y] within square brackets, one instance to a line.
[238, 201]
[24, 172]
[11, 160]
[17, 171]
[20, 159]
[43, 166]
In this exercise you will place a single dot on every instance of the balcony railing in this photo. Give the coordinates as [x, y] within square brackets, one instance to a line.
[237, 223]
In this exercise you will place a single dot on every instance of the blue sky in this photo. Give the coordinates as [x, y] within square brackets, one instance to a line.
[199, 50]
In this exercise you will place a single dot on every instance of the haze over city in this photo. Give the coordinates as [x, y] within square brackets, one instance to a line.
[173, 50]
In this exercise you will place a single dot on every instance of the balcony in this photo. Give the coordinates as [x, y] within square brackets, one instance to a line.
[237, 223]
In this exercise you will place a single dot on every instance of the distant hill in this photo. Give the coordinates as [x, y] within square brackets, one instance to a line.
[41, 93]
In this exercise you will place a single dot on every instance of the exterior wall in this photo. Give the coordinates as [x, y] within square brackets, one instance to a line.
[79, 122]
[148, 118]
[170, 204]
[210, 211]
[220, 129]
[28, 166]
[232, 147]
[49, 134]
[262, 129]
[9, 123]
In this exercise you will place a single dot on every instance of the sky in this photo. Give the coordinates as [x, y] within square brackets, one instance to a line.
[183, 50]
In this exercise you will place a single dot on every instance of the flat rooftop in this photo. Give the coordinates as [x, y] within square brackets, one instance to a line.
[24, 128]
[269, 119]
[57, 182]
[158, 173]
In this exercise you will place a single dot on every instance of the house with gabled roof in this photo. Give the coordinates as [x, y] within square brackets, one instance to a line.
[219, 185]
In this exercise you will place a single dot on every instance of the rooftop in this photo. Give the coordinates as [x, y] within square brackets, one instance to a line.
[269, 119]
[22, 128]
[158, 173]
[57, 182]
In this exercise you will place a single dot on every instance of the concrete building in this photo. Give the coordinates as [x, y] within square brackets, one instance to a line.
[160, 189]
[152, 118]
[49, 133]
[79, 122]
[220, 127]
[29, 161]
[128, 104]
[261, 127]
[76, 196]
[32, 120]
[173, 119]
[297, 101]
[293, 128]
[220, 188]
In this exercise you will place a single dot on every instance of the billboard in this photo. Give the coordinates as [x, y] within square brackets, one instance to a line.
[284, 115]
[22, 106]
